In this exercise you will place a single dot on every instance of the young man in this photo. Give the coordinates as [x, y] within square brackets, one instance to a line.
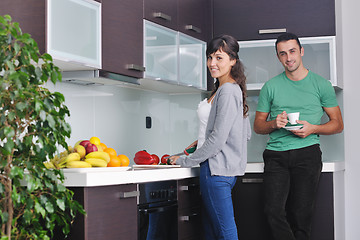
[293, 158]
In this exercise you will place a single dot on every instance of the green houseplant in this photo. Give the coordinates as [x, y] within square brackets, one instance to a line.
[34, 202]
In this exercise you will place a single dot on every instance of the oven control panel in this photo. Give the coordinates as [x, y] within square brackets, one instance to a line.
[152, 192]
[163, 194]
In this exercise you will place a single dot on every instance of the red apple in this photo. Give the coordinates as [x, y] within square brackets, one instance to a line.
[84, 143]
[90, 148]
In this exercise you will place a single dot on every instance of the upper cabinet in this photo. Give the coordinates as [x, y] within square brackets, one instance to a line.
[192, 17]
[74, 31]
[67, 29]
[195, 18]
[174, 57]
[122, 37]
[261, 62]
[163, 12]
[265, 19]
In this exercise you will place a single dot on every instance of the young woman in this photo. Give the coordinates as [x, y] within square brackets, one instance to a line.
[223, 134]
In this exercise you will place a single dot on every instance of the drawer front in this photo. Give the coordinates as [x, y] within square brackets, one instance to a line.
[189, 226]
[189, 193]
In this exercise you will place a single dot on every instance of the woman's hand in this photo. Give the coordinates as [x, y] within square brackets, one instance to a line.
[173, 160]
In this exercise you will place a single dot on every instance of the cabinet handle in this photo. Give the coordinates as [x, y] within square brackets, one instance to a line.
[188, 218]
[187, 188]
[135, 67]
[252, 180]
[129, 194]
[193, 28]
[275, 30]
[162, 16]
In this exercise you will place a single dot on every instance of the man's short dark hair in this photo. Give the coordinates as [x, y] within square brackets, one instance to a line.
[286, 37]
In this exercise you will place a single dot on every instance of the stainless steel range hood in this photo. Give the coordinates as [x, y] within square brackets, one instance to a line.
[97, 78]
[103, 78]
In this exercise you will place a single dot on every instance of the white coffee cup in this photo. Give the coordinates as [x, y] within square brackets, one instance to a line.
[293, 117]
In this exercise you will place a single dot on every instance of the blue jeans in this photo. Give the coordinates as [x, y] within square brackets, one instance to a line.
[218, 213]
[291, 180]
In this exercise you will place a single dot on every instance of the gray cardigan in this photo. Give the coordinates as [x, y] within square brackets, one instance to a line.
[226, 135]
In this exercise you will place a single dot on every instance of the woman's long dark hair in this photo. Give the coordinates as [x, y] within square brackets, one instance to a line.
[229, 45]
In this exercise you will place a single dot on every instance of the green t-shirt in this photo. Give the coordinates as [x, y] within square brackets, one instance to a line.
[307, 96]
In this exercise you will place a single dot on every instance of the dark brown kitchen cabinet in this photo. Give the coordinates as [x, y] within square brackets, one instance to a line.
[111, 212]
[122, 37]
[189, 209]
[244, 19]
[192, 17]
[72, 41]
[249, 209]
[163, 12]
[30, 14]
[195, 18]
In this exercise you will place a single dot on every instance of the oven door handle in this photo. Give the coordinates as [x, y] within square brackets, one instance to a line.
[157, 209]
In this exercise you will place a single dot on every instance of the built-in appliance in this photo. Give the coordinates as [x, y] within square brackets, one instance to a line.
[157, 211]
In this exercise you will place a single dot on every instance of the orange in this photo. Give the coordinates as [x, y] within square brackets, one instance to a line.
[103, 146]
[124, 160]
[110, 151]
[114, 161]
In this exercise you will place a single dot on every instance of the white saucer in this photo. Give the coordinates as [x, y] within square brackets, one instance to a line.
[289, 128]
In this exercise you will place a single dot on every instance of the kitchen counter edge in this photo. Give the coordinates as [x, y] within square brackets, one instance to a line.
[92, 179]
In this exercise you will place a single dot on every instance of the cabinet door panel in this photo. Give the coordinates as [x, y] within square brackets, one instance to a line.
[189, 193]
[189, 226]
[248, 201]
[30, 14]
[122, 36]
[304, 18]
[248, 204]
[195, 18]
[107, 215]
[163, 12]
[76, 35]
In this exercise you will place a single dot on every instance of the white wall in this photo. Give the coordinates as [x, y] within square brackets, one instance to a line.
[348, 37]
[117, 116]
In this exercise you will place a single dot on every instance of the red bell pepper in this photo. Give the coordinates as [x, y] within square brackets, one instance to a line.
[156, 158]
[143, 158]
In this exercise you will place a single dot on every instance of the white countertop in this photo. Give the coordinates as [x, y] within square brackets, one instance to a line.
[112, 176]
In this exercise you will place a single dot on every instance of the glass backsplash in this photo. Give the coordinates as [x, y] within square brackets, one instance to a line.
[117, 116]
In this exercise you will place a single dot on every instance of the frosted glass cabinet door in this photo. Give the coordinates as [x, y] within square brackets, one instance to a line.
[261, 62]
[192, 70]
[161, 52]
[74, 31]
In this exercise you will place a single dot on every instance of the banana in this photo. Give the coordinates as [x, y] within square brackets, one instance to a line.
[70, 149]
[49, 165]
[72, 157]
[102, 155]
[69, 158]
[55, 160]
[78, 164]
[64, 154]
[96, 162]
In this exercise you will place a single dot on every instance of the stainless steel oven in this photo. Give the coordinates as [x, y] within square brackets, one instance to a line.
[157, 211]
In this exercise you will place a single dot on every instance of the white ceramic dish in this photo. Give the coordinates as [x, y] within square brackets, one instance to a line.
[289, 128]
